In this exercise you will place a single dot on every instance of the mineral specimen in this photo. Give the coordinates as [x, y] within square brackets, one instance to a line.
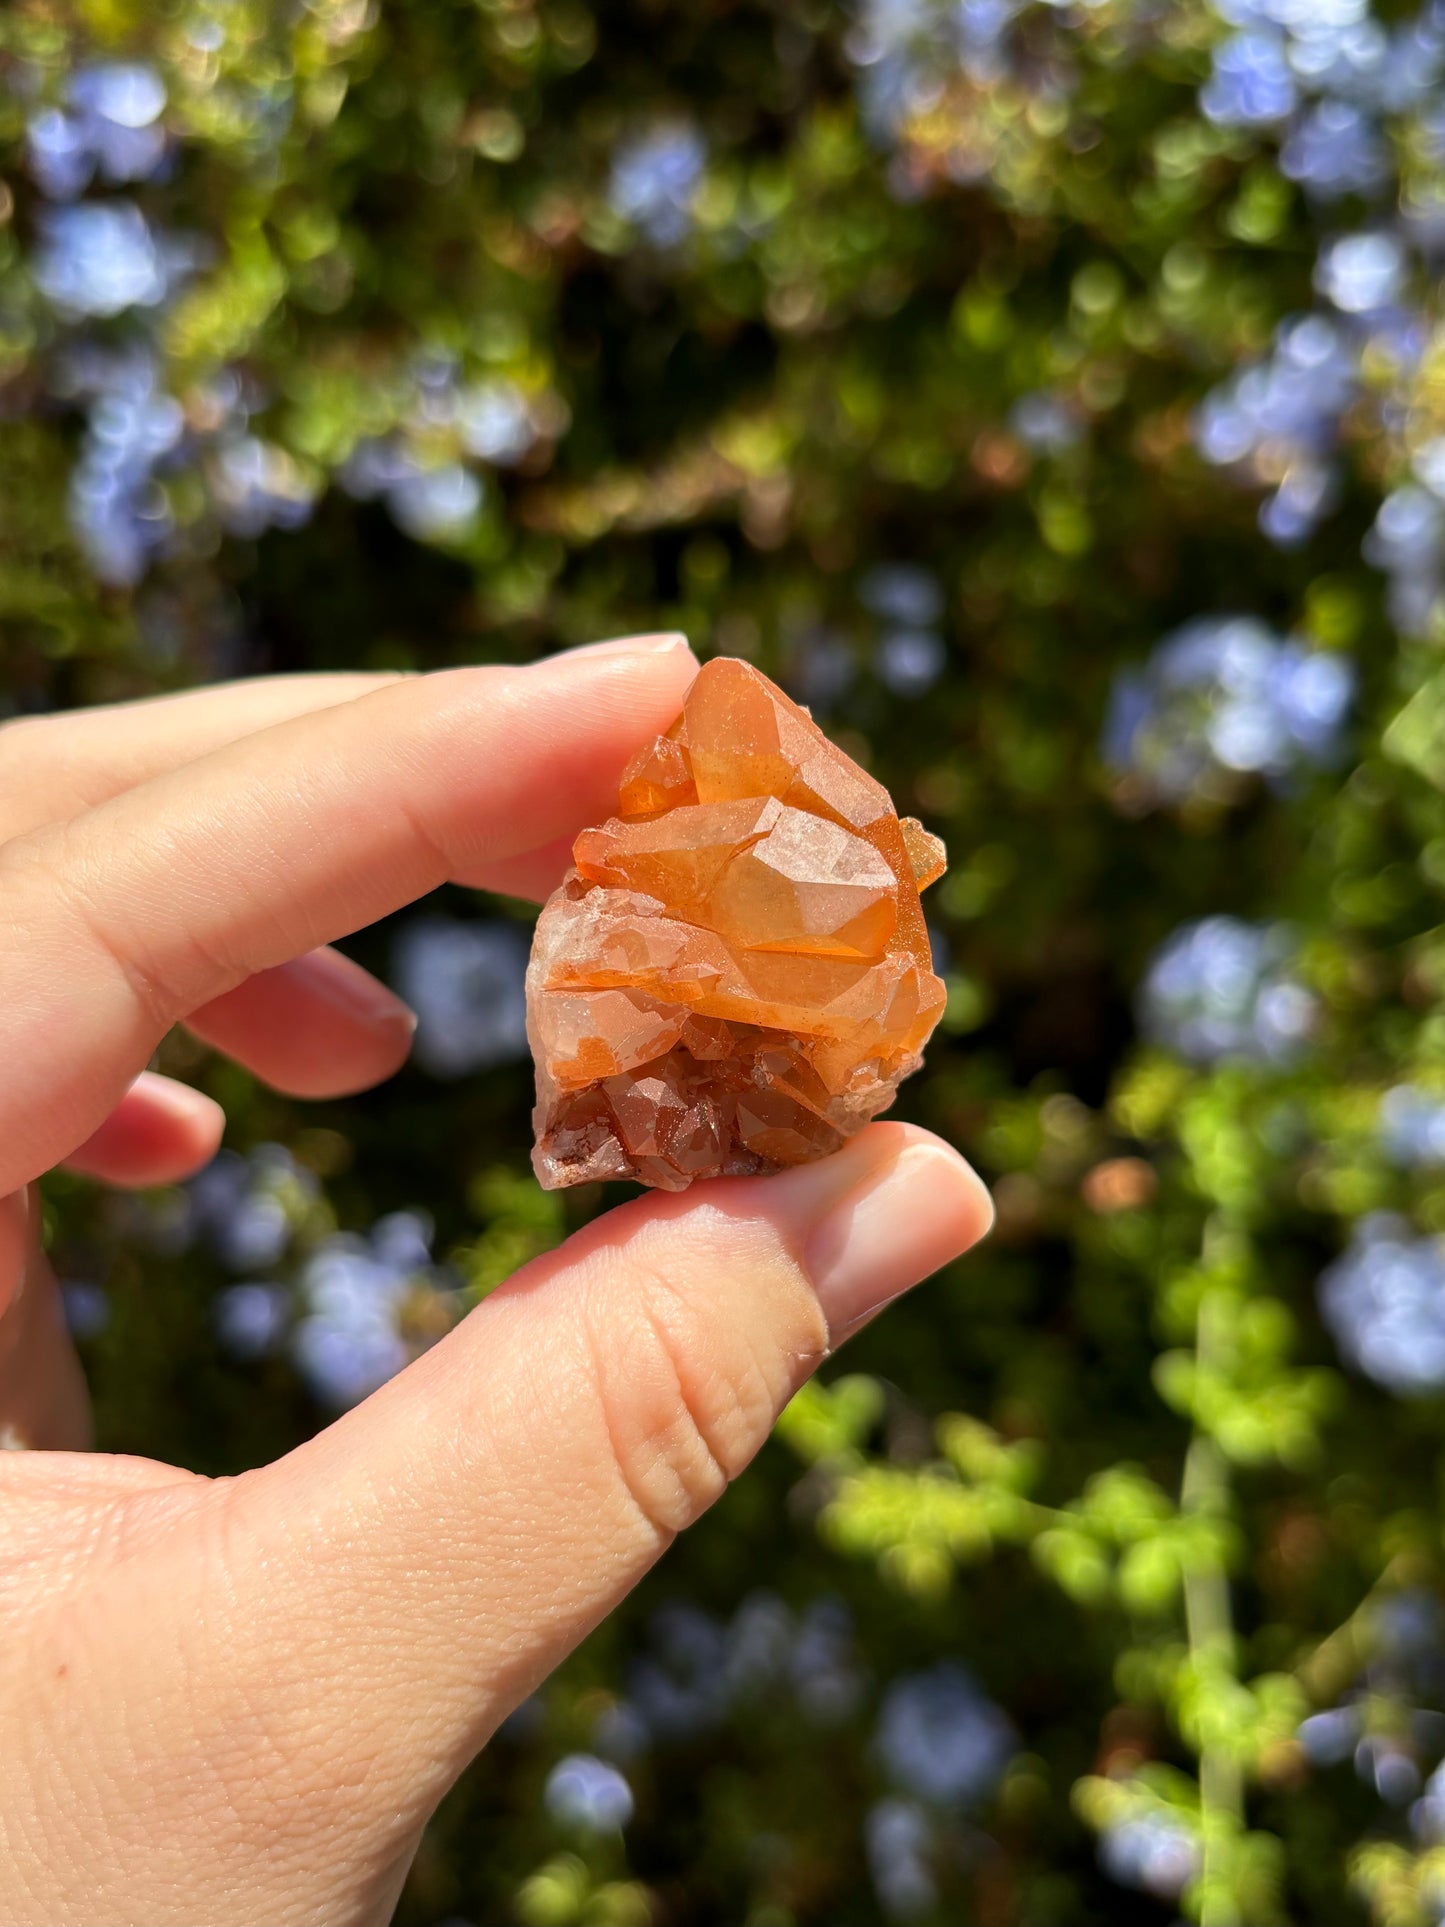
[736, 975]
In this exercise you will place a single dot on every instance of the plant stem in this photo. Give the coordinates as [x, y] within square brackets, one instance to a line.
[1209, 1622]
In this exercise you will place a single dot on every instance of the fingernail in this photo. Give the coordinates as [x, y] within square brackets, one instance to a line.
[186, 1105]
[354, 992]
[881, 1216]
[658, 645]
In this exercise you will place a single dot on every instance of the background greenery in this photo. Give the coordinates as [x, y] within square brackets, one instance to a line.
[1051, 397]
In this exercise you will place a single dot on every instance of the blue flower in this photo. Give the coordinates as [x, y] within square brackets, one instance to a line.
[1335, 149]
[1221, 989]
[1407, 541]
[495, 422]
[899, 1835]
[1384, 1301]
[86, 1307]
[904, 593]
[821, 668]
[678, 1687]
[1362, 273]
[436, 504]
[1226, 695]
[1412, 1125]
[910, 661]
[467, 984]
[1330, 1737]
[111, 124]
[251, 1320]
[431, 501]
[99, 259]
[698, 1670]
[1288, 408]
[911, 655]
[1152, 1852]
[1251, 85]
[587, 1794]
[355, 1291]
[1044, 423]
[247, 1208]
[1427, 1815]
[118, 510]
[257, 486]
[654, 179]
[941, 1739]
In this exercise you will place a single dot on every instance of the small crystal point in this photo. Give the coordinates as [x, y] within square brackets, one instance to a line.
[735, 976]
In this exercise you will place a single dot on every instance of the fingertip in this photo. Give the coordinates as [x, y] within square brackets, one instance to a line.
[879, 1216]
[317, 1027]
[160, 1133]
[660, 668]
[668, 642]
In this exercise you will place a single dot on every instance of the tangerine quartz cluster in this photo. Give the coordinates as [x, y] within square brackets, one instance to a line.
[736, 974]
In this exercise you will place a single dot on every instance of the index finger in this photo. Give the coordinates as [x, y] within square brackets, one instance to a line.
[115, 925]
[57, 765]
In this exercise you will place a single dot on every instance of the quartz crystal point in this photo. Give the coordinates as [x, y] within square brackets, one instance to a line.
[735, 975]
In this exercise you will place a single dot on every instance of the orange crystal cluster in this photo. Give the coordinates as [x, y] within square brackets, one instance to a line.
[736, 974]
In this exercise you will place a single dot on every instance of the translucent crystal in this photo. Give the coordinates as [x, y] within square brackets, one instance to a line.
[735, 976]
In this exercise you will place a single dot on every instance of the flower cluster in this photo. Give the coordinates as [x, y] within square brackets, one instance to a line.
[587, 1795]
[655, 176]
[697, 1672]
[369, 1305]
[106, 259]
[1388, 1724]
[466, 983]
[900, 1840]
[911, 654]
[109, 126]
[938, 1741]
[447, 431]
[1412, 1126]
[1152, 1851]
[351, 1309]
[1221, 698]
[1384, 1301]
[1299, 65]
[941, 1739]
[1278, 422]
[1221, 989]
[155, 431]
[246, 1210]
[1347, 95]
[911, 56]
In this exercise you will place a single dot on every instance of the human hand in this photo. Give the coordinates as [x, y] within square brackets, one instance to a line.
[239, 1700]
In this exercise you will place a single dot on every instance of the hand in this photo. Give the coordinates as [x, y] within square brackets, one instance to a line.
[239, 1700]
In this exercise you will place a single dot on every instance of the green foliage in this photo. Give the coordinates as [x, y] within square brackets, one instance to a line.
[1114, 1463]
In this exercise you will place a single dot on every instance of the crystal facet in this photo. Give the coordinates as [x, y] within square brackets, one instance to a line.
[735, 976]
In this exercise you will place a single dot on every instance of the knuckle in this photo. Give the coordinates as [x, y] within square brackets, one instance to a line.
[688, 1393]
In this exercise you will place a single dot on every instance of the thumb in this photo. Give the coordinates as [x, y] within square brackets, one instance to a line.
[412, 1573]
